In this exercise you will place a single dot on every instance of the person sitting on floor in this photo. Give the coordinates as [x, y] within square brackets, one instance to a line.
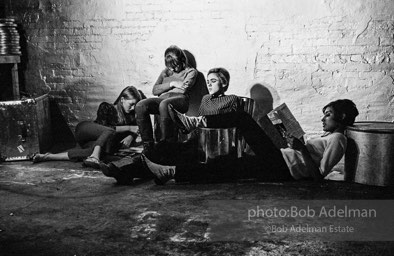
[114, 127]
[216, 102]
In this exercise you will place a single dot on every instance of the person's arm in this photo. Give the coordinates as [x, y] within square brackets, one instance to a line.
[159, 87]
[188, 81]
[126, 128]
[310, 165]
[185, 84]
[335, 149]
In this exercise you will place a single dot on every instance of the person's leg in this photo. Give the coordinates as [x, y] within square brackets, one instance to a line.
[103, 142]
[86, 132]
[255, 167]
[126, 169]
[220, 170]
[63, 156]
[179, 102]
[143, 109]
[173, 153]
[186, 123]
[256, 138]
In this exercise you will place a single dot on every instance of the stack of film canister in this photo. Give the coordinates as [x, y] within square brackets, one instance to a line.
[9, 37]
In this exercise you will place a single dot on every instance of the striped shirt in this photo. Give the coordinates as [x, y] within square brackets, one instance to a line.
[213, 105]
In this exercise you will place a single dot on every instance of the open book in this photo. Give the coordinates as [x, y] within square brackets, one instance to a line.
[279, 124]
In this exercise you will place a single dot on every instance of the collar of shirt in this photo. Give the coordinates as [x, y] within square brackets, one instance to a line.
[216, 95]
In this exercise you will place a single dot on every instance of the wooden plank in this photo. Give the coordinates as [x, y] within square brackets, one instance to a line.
[4, 59]
[15, 82]
[15, 59]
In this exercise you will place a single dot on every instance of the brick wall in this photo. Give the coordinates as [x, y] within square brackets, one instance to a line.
[305, 52]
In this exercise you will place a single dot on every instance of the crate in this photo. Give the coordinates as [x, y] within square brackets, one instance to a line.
[25, 128]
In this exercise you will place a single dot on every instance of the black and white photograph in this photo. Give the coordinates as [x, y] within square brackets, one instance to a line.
[196, 127]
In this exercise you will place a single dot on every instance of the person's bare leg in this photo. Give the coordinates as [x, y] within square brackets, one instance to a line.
[63, 156]
[94, 159]
[96, 152]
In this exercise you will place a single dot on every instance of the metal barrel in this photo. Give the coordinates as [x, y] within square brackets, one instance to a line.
[218, 142]
[369, 157]
[247, 104]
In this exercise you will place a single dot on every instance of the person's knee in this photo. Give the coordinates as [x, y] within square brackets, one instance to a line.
[109, 132]
[163, 109]
[141, 108]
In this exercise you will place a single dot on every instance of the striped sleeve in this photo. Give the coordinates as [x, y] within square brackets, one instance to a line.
[218, 105]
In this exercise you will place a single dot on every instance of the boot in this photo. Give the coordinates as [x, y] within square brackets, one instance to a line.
[186, 123]
[111, 170]
[162, 173]
[168, 130]
[148, 147]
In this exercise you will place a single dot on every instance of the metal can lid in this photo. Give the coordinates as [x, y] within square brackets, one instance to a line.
[373, 126]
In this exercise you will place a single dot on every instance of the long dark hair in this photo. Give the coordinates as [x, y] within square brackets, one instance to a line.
[128, 93]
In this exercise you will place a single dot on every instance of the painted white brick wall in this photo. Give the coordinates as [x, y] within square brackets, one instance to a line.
[305, 52]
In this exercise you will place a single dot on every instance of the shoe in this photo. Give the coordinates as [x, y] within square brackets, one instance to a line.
[183, 122]
[37, 157]
[92, 162]
[148, 147]
[112, 171]
[151, 152]
[162, 173]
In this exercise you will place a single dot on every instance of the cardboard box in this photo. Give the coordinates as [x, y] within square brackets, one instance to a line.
[25, 128]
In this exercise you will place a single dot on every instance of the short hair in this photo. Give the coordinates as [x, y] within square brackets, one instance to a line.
[223, 75]
[343, 107]
[174, 56]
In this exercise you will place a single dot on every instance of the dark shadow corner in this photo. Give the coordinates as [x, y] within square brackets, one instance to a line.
[24, 62]
[198, 90]
[63, 138]
[263, 100]
[191, 60]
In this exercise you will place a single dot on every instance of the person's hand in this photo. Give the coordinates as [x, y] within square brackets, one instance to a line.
[177, 84]
[126, 142]
[166, 72]
[296, 143]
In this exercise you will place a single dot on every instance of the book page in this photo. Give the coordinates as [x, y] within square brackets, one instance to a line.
[271, 131]
[291, 124]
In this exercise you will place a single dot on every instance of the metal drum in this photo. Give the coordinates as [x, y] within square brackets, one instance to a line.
[216, 143]
[247, 104]
[369, 158]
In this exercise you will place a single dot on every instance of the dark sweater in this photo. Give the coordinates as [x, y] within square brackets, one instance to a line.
[211, 105]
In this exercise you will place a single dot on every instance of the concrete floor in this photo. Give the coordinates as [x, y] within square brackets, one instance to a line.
[60, 208]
